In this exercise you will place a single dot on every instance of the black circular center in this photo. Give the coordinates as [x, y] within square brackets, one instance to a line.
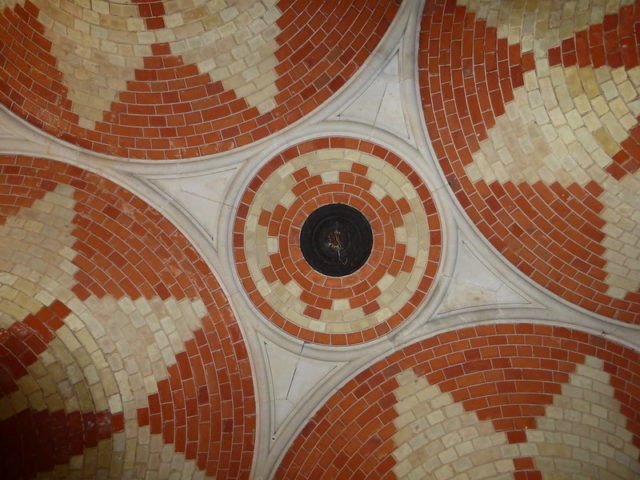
[336, 240]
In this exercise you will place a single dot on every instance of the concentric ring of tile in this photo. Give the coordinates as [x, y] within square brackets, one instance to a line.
[533, 114]
[168, 79]
[508, 401]
[119, 354]
[376, 298]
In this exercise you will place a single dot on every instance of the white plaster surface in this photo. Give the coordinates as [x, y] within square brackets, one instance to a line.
[202, 196]
[380, 104]
[293, 379]
[475, 285]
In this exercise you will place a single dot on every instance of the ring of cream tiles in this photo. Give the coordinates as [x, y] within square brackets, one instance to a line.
[167, 79]
[386, 289]
[109, 326]
[533, 114]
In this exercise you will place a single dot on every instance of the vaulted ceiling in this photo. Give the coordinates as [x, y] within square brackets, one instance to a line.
[159, 314]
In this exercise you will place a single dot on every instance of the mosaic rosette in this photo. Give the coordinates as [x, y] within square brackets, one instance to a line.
[162, 79]
[367, 303]
[120, 356]
[533, 113]
[506, 402]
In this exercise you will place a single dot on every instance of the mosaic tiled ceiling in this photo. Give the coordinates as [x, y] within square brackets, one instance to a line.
[160, 318]
[117, 346]
[533, 109]
[512, 401]
[153, 79]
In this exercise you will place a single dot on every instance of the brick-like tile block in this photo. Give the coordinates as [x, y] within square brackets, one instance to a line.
[22, 342]
[495, 401]
[171, 80]
[34, 442]
[367, 303]
[533, 115]
[107, 313]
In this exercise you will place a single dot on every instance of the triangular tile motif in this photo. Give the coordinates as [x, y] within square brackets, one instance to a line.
[114, 330]
[535, 126]
[508, 401]
[577, 430]
[170, 80]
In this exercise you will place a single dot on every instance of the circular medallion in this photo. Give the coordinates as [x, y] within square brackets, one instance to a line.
[337, 241]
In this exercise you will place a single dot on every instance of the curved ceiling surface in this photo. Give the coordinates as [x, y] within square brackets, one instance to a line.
[117, 346]
[154, 79]
[509, 401]
[123, 355]
[376, 298]
[533, 109]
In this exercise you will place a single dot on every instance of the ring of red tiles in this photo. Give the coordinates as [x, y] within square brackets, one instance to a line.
[159, 79]
[337, 310]
[120, 356]
[533, 115]
[517, 401]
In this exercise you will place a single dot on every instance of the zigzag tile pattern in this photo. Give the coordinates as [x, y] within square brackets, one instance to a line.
[179, 79]
[119, 353]
[507, 401]
[533, 114]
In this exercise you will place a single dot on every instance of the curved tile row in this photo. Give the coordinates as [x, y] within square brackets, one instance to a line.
[163, 79]
[507, 401]
[394, 280]
[119, 353]
[533, 116]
